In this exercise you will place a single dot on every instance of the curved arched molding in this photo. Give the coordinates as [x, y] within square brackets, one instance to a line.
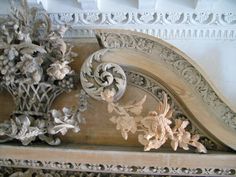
[179, 73]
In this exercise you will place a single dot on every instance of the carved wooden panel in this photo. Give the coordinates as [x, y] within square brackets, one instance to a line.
[151, 68]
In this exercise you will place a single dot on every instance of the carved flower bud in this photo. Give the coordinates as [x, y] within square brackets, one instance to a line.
[108, 95]
[59, 70]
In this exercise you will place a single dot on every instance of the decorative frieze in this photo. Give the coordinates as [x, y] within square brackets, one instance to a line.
[105, 168]
[165, 25]
[146, 18]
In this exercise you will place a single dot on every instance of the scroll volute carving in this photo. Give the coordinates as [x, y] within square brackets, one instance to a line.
[96, 76]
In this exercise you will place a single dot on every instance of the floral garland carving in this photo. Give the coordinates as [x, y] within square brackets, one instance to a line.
[155, 128]
[156, 89]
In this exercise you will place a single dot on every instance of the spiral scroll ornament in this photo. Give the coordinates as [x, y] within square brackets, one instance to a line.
[96, 76]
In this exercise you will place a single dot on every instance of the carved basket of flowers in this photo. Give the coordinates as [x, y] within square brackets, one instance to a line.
[34, 69]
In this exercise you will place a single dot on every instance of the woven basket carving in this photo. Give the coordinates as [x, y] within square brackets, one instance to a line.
[34, 100]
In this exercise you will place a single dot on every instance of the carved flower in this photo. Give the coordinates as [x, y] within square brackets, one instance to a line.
[146, 17]
[92, 17]
[173, 17]
[157, 127]
[59, 70]
[11, 53]
[66, 17]
[230, 18]
[64, 120]
[31, 67]
[108, 95]
[202, 17]
[183, 139]
[119, 17]
[22, 128]
[126, 124]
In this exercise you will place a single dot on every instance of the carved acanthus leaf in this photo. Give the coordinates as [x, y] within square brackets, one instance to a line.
[96, 76]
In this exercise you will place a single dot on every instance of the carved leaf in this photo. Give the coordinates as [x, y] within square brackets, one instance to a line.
[155, 128]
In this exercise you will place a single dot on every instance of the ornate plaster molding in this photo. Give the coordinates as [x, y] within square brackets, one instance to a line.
[108, 168]
[180, 65]
[165, 25]
[145, 17]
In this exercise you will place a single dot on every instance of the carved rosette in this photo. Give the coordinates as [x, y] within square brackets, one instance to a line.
[96, 76]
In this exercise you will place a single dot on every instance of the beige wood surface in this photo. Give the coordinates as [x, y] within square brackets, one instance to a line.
[100, 143]
[98, 130]
[113, 156]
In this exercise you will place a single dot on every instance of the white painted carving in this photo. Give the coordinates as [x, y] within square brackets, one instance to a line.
[183, 25]
[88, 16]
[172, 17]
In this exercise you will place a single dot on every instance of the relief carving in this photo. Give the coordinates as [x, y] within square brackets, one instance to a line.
[154, 129]
[105, 169]
[179, 65]
[34, 64]
[96, 76]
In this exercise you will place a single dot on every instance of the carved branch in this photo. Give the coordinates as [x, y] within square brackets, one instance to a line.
[155, 128]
